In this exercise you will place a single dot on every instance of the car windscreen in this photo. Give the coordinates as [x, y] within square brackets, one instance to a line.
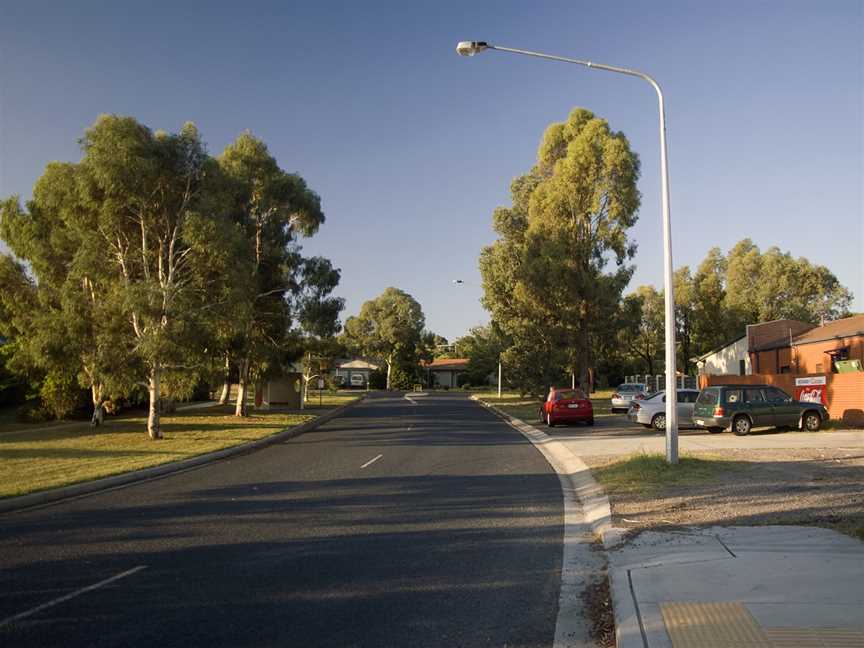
[655, 396]
[708, 397]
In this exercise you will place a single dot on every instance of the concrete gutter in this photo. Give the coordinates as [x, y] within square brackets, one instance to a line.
[587, 515]
[12, 504]
[595, 502]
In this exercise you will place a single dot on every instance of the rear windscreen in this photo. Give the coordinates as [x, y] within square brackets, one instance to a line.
[708, 397]
[569, 394]
[630, 388]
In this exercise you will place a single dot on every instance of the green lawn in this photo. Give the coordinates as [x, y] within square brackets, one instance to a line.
[45, 457]
[649, 473]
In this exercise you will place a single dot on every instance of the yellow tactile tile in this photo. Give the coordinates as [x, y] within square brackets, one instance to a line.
[816, 637]
[712, 625]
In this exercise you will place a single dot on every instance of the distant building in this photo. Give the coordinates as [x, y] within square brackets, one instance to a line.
[769, 345]
[733, 358]
[353, 372]
[444, 372]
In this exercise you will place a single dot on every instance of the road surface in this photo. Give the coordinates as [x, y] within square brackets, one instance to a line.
[396, 524]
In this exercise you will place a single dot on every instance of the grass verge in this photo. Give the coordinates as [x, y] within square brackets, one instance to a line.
[40, 459]
[648, 473]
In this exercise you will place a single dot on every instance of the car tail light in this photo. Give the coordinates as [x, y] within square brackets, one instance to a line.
[616, 395]
[640, 396]
[636, 407]
[719, 411]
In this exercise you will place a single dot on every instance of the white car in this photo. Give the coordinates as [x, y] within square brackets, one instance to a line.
[626, 393]
[357, 380]
[651, 411]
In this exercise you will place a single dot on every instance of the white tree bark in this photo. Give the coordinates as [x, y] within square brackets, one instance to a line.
[240, 408]
[153, 423]
[389, 366]
[226, 386]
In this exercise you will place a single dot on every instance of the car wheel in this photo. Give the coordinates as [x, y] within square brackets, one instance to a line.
[549, 422]
[659, 422]
[741, 426]
[811, 422]
[715, 430]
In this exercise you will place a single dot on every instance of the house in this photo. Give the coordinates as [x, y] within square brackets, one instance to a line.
[821, 348]
[733, 358]
[444, 372]
[353, 372]
[769, 345]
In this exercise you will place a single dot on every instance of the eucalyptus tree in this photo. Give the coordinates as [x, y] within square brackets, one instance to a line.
[547, 280]
[389, 327]
[167, 250]
[318, 316]
[271, 207]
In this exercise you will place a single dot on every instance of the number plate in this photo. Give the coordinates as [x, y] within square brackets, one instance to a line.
[573, 405]
[700, 422]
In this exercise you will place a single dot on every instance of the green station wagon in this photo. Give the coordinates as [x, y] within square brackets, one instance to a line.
[743, 407]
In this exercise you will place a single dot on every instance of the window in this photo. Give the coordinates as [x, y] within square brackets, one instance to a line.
[838, 354]
[708, 396]
[753, 396]
[733, 396]
[775, 395]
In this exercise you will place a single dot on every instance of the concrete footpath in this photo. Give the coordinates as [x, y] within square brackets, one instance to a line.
[739, 587]
[717, 587]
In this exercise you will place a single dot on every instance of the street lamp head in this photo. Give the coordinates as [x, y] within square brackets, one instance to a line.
[470, 48]
[458, 281]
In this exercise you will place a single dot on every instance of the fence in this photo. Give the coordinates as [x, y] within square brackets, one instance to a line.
[844, 393]
[658, 382]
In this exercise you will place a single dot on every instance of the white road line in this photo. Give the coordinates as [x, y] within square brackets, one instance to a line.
[83, 590]
[371, 461]
[410, 400]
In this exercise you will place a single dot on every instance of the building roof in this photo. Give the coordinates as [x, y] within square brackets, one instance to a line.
[776, 334]
[842, 328]
[448, 364]
[355, 363]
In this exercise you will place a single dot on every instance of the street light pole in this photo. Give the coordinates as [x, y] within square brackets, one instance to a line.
[470, 48]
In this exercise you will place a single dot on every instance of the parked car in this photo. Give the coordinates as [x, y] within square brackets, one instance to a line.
[564, 405]
[625, 393]
[651, 411]
[743, 407]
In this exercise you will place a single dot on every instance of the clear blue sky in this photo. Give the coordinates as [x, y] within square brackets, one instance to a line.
[411, 146]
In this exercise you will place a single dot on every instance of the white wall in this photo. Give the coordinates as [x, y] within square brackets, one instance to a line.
[726, 361]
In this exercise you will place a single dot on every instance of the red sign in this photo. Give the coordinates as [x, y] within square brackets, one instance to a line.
[811, 394]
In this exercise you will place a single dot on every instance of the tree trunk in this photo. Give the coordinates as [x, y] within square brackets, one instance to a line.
[240, 408]
[389, 366]
[98, 410]
[153, 428]
[226, 386]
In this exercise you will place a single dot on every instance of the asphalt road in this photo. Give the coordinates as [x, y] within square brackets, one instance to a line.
[451, 537]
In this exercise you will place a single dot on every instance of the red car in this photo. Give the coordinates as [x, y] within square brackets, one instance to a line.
[565, 405]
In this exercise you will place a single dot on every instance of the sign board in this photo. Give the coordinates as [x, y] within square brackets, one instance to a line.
[811, 389]
[320, 383]
[811, 380]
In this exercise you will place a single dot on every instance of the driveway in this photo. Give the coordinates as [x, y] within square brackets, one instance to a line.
[615, 435]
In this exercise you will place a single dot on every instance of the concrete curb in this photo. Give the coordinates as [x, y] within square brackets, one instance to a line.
[13, 504]
[595, 503]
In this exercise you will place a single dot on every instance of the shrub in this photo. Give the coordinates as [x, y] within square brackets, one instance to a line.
[61, 394]
[33, 412]
[377, 379]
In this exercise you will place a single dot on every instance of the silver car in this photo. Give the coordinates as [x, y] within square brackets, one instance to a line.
[626, 393]
[651, 411]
